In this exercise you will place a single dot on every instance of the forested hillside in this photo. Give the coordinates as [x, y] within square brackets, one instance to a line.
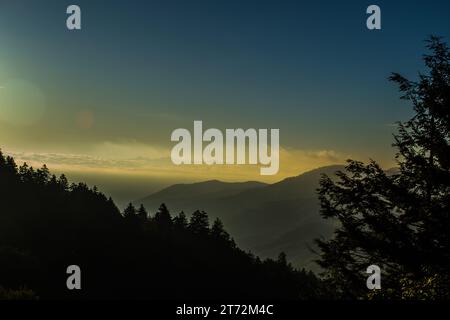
[47, 224]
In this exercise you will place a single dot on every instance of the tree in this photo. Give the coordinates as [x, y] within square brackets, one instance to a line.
[2, 159]
[218, 231]
[199, 223]
[180, 222]
[130, 211]
[399, 222]
[9, 166]
[63, 183]
[282, 259]
[162, 219]
[43, 175]
[142, 213]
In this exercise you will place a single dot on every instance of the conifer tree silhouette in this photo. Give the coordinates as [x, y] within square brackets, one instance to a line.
[130, 211]
[399, 222]
[199, 223]
[142, 213]
[180, 222]
[218, 231]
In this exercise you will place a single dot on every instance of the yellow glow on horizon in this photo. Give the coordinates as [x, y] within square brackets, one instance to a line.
[155, 164]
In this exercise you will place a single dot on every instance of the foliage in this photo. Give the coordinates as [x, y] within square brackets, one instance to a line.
[399, 222]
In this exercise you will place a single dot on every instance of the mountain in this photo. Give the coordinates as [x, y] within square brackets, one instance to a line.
[190, 197]
[263, 218]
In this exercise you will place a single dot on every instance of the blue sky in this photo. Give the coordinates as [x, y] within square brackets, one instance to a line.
[139, 69]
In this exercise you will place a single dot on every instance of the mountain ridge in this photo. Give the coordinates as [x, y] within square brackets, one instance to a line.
[264, 218]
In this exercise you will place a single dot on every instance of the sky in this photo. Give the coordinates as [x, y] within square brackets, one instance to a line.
[101, 103]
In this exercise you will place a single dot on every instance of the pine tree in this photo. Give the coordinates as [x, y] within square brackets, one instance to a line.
[130, 211]
[8, 172]
[162, 219]
[10, 166]
[218, 231]
[282, 259]
[42, 175]
[63, 183]
[142, 213]
[180, 222]
[2, 159]
[199, 223]
[399, 222]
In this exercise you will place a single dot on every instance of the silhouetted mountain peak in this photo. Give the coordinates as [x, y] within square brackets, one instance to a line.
[197, 192]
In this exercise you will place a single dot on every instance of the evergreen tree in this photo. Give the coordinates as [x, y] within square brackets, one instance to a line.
[2, 159]
[399, 222]
[63, 183]
[142, 213]
[162, 219]
[10, 166]
[42, 175]
[180, 222]
[130, 211]
[218, 231]
[282, 259]
[199, 223]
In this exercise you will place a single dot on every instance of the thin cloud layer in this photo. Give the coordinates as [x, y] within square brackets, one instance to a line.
[131, 158]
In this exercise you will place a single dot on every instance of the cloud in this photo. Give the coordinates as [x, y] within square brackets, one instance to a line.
[72, 159]
[107, 155]
[296, 161]
[132, 158]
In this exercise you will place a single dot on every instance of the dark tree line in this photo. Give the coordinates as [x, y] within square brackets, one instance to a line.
[47, 224]
[399, 222]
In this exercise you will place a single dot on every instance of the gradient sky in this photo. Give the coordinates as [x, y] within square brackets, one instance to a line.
[103, 101]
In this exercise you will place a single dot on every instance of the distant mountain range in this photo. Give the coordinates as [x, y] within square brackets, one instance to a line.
[263, 218]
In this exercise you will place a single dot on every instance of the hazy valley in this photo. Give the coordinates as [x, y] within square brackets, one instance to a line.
[263, 218]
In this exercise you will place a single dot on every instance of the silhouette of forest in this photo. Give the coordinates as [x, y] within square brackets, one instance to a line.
[47, 224]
